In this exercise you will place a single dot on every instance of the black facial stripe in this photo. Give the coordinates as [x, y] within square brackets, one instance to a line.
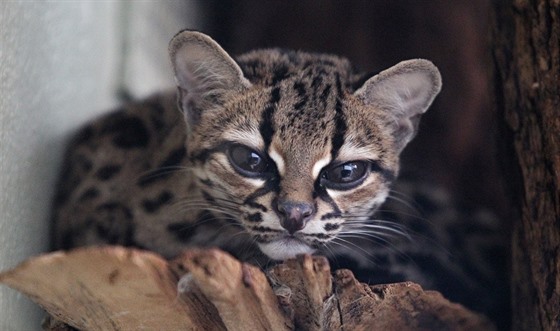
[260, 238]
[208, 197]
[256, 217]
[265, 229]
[339, 122]
[325, 95]
[300, 89]
[316, 243]
[256, 205]
[323, 195]
[206, 182]
[269, 186]
[267, 126]
[329, 216]
[317, 97]
[250, 200]
[318, 235]
[387, 174]
[317, 81]
[331, 226]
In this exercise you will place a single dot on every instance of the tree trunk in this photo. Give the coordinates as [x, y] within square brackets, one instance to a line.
[527, 58]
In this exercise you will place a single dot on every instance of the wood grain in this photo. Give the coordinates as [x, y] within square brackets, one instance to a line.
[114, 288]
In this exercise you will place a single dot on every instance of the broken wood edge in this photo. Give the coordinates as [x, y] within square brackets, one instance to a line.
[239, 291]
[209, 289]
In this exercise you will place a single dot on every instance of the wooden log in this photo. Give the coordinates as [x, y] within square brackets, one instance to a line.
[114, 288]
[239, 291]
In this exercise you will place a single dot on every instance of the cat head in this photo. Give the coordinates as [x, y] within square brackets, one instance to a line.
[294, 145]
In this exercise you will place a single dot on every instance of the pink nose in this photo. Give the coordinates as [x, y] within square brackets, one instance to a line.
[295, 215]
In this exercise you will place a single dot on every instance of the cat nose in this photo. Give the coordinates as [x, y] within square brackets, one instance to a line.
[295, 215]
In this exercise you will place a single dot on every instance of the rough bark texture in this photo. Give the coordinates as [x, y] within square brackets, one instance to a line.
[124, 289]
[527, 58]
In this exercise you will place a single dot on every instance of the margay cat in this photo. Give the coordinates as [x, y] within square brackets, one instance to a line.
[272, 154]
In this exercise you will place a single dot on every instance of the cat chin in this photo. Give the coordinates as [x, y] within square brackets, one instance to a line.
[286, 248]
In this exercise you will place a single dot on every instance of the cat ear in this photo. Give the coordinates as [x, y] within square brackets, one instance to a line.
[204, 72]
[405, 91]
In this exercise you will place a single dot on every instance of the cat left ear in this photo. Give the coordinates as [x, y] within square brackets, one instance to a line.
[404, 91]
[204, 72]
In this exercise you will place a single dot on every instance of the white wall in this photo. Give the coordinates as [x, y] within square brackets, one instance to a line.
[60, 64]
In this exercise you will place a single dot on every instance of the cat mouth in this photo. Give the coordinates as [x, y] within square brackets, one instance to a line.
[286, 247]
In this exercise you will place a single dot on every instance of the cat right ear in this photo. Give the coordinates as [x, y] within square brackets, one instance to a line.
[204, 72]
[404, 91]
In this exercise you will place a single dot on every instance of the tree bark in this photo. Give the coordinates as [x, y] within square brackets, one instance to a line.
[527, 76]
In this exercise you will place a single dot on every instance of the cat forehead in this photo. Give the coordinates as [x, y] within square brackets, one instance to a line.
[303, 119]
[308, 107]
[300, 101]
[301, 92]
[268, 67]
[297, 90]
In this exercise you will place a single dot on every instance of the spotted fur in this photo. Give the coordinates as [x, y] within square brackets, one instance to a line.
[162, 175]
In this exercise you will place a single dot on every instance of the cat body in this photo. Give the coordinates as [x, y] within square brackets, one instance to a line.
[269, 155]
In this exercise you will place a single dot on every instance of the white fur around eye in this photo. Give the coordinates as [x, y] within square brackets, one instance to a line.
[250, 138]
[351, 152]
[340, 193]
[255, 182]
[278, 159]
[319, 165]
[334, 193]
[223, 162]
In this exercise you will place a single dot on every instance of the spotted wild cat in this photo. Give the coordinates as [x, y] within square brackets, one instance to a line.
[268, 155]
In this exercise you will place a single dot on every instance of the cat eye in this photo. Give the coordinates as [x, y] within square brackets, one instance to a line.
[247, 161]
[345, 176]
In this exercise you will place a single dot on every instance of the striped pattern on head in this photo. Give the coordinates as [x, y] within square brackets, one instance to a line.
[295, 144]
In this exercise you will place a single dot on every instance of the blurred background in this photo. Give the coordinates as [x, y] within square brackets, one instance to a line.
[63, 63]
